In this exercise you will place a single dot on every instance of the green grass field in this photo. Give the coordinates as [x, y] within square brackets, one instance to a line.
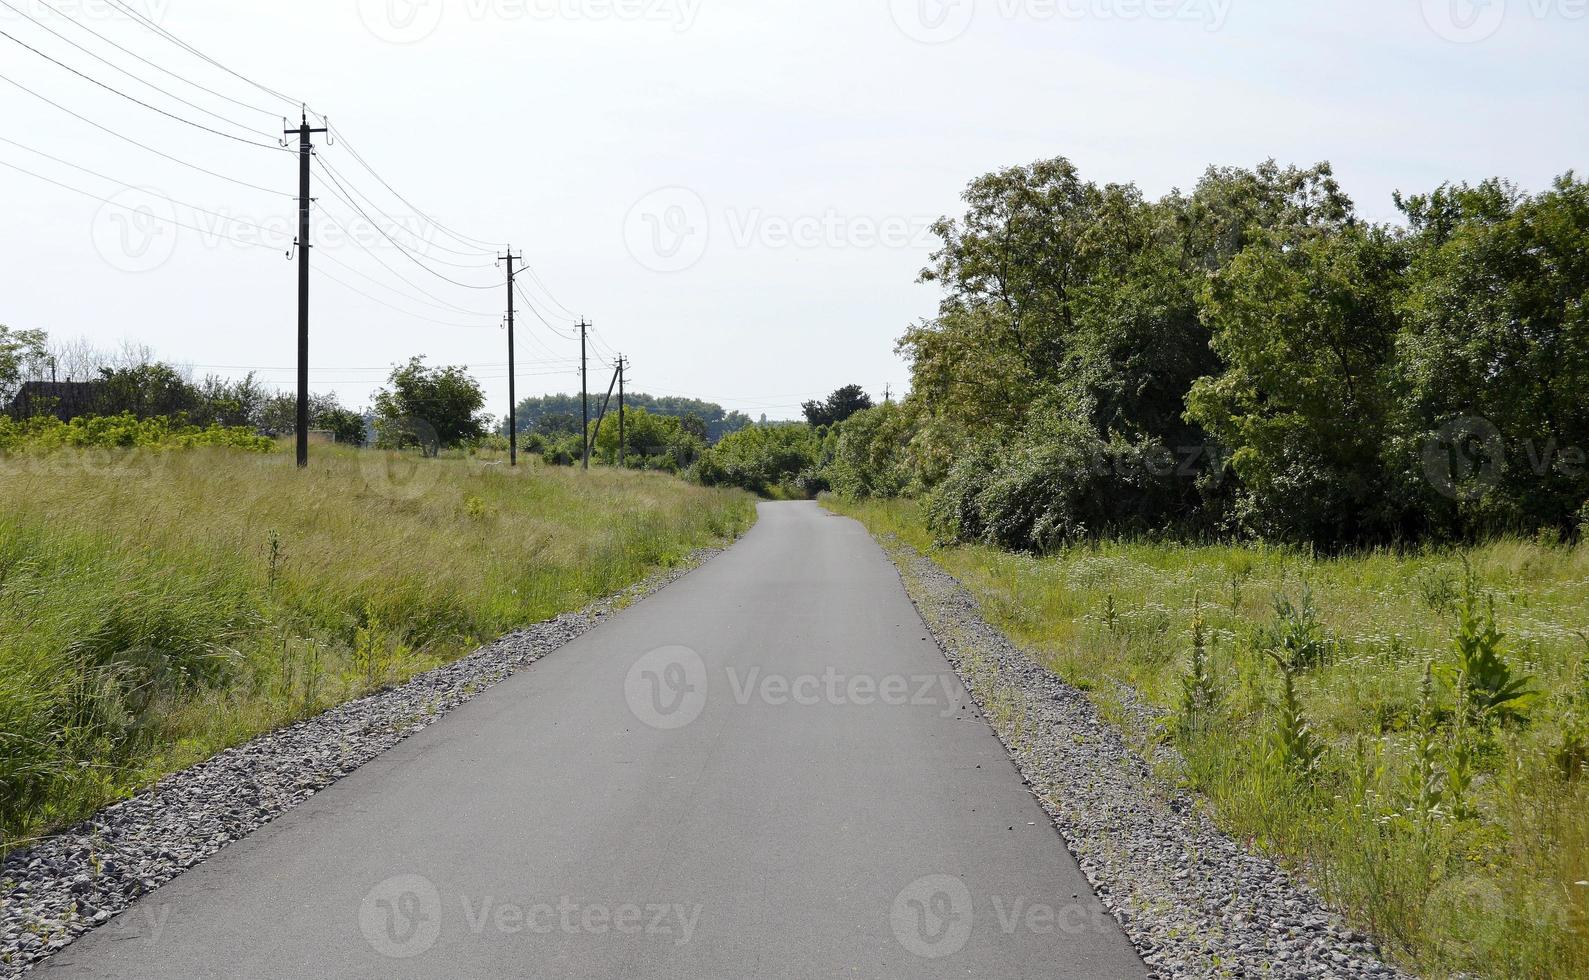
[1463, 846]
[156, 607]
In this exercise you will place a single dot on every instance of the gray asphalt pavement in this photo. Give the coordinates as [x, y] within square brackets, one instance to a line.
[765, 770]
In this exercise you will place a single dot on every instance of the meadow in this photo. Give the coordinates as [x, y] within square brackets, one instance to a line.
[158, 605]
[1425, 766]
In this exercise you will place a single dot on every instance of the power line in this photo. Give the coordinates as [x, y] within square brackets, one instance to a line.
[376, 299]
[143, 146]
[114, 204]
[151, 25]
[398, 245]
[115, 91]
[142, 190]
[133, 54]
[347, 144]
[445, 307]
[438, 301]
[393, 221]
[136, 78]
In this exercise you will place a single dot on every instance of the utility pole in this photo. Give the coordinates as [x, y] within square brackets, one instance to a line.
[305, 152]
[621, 364]
[513, 405]
[584, 396]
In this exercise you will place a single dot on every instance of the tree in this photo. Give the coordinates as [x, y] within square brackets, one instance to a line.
[1306, 329]
[22, 352]
[446, 401]
[1495, 331]
[653, 441]
[148, 390]
[839, 406]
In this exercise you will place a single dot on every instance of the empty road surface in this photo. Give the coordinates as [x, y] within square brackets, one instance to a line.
[765, 770]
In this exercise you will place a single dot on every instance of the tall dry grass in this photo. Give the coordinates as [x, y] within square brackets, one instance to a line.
[1466, 852]
[156, 607]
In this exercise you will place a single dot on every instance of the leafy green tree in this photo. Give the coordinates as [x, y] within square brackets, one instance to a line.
[762, 459]
[556, 415]
[22, 352]
[652, 441]
[839, 406]
[149, 390]
[868, 453]
[1496, 327]
[1306, 329]
[446, 399]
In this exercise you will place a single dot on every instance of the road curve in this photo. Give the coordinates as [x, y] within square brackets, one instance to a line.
[765, 770]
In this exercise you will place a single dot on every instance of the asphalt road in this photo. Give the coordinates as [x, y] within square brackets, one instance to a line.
[765, 770]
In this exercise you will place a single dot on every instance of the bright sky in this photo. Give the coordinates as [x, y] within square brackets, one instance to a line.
[735, 192]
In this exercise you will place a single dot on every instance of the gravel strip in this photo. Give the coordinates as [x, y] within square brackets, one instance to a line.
[68, 884]
[1194, 902]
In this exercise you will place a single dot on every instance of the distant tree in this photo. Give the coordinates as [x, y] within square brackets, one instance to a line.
[695, 426]
[149, 390]
[232, 403]
[446, 400]
[557, 424]
[345, 423]
[21, 351]
[557, 415]
[839, 406]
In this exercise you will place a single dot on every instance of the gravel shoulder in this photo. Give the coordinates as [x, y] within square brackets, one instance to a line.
[80, 879]
[1194, 902]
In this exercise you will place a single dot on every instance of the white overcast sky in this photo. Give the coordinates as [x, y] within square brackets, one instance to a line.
[734, 191]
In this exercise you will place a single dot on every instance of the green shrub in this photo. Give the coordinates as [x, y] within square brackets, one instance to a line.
[125, 431]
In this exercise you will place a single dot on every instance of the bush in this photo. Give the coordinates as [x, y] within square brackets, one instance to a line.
[1058, 483]
[125, 431]
[869, 454]
[762, 459]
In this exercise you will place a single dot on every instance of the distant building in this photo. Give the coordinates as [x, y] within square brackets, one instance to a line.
[65, 400]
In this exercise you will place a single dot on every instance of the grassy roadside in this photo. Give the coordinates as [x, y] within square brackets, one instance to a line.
[156, 607]
[1464, 848]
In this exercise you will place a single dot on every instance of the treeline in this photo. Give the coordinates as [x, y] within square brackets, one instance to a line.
[560, 415]
[1251, 358]
[133, 384]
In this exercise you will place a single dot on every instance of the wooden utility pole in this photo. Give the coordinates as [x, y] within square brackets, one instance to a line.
[513, 404]
[305, 152]
[584, 396]
[621, 364]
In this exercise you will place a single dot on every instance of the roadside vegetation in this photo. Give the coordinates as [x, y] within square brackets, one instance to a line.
[157, 606]
[1313, 488]
[1351, 714]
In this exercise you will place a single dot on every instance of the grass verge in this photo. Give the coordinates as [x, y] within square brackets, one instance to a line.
[158, 607]
[1455, 829]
